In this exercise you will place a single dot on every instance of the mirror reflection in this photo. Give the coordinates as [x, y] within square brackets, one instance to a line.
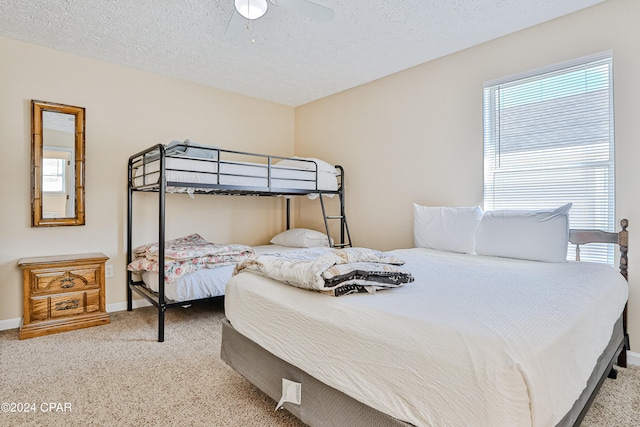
[57, 164]
[58, 183]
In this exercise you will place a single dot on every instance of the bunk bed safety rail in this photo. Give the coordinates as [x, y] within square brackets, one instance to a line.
[146, 170]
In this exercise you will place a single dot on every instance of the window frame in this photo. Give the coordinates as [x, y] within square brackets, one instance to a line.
[491, 123]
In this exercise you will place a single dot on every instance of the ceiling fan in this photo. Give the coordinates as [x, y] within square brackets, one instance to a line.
[249, 10]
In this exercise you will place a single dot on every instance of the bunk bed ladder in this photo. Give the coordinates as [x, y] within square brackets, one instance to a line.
[345, 236]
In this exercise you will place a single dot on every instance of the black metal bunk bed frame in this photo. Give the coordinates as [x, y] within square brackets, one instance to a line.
[156, 181]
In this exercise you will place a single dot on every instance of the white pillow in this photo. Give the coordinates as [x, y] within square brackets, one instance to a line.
[446, 229]
[301, 238]
[322, 165]
[538, 235]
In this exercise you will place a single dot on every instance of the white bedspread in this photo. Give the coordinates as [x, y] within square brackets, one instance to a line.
[474, 341]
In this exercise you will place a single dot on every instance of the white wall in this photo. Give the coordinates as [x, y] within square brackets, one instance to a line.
[126, 111]
[417, 136]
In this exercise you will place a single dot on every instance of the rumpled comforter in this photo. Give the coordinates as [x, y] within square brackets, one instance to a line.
[331, 271]
[186, 255]
[185, 149]
[191, 149]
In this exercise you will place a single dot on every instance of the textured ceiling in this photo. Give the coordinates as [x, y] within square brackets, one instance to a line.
[283, 57]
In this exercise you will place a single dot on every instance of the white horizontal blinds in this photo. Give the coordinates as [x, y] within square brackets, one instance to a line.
[549, 141]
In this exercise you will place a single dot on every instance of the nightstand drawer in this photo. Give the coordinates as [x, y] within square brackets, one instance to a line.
[64, 280]
[67, 305]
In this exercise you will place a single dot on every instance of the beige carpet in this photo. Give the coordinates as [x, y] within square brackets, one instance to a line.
[119, 375]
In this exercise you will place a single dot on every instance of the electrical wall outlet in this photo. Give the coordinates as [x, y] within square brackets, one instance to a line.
[108, 272]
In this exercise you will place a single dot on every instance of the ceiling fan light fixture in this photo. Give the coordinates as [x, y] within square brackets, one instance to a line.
[251, 9]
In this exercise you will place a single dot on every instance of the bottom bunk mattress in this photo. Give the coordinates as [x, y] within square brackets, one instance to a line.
[203, 283]
[473, 341]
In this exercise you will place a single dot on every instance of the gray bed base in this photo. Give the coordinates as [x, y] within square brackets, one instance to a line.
[322, 405]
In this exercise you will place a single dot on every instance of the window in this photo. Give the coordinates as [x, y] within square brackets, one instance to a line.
[53, 175]
[57, 172]
[548, 140]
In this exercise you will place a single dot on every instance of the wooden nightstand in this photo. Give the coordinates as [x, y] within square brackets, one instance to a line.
[62, 293]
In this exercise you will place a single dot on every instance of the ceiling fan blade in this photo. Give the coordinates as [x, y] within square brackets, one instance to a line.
[307, 8]
[236, 26]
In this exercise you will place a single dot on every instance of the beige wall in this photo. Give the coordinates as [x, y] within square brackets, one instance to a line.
[417, 136]
[126, 111]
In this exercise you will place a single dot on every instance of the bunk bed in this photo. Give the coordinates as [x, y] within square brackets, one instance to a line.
[190, 168]
[474, 340]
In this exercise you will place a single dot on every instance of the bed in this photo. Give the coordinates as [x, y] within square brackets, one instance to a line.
[206, 282]
[192, 168]
[475, 340]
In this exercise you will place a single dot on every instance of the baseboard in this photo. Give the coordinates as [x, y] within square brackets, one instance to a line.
[633, 358]
[117, 306]
[10, 324]
[121, 306]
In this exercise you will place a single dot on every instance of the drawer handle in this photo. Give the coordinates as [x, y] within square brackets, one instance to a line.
[67, 305]
[67, 282]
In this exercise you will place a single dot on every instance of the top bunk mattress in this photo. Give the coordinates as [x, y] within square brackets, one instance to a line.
[473, 341]
[208, 175]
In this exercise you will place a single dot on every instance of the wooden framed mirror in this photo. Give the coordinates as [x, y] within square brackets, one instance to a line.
[57, 164]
